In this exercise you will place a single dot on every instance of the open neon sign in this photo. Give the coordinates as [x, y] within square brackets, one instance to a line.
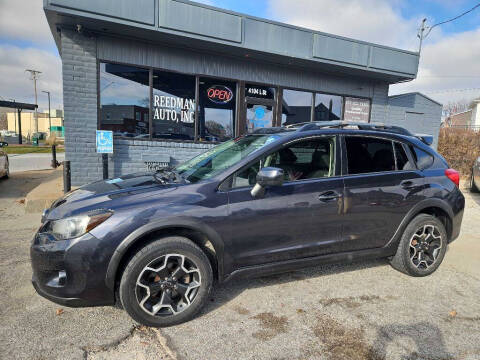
[220, 94]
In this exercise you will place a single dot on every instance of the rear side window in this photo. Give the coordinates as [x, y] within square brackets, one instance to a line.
[369, 155]
[423, 159]
[402, 159]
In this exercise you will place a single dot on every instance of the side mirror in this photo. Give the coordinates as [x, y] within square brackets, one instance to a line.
[267, 177]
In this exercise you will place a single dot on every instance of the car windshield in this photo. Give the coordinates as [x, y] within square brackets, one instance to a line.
[223, 156]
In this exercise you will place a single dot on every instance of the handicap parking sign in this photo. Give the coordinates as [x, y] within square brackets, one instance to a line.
[104, 142]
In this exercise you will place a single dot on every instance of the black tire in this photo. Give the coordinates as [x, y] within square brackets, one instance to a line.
[149, 254]
[473, 187]
[402, 261]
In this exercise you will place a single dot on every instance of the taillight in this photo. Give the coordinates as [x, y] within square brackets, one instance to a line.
[453, 175]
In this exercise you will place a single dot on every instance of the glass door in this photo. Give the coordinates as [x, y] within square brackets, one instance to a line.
[260, 107]
[259, 116]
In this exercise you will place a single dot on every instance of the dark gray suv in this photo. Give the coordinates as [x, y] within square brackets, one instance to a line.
[275, 200]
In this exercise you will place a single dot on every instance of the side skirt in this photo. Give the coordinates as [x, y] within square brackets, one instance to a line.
[291, 265]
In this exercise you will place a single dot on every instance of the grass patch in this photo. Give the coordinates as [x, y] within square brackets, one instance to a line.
[31, 149]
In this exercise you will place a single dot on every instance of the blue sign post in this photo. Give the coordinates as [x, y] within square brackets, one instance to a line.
[104, 142]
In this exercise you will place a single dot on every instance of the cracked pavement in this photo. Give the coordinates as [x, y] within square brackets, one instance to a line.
[365, 310]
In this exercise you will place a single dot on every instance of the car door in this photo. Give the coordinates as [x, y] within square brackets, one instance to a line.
[300, 219]
[381, 185]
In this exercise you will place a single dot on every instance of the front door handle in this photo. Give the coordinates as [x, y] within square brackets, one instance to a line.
[329, 196]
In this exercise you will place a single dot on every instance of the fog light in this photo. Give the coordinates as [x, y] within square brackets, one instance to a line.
[59, 280]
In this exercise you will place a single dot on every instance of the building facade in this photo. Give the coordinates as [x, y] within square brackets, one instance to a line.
[28, 122]
[416, 112]
[172, 78]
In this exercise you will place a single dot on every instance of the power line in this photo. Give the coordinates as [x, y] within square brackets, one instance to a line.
[453, 19]
[448, 76]
[450, 90]
[421, 32]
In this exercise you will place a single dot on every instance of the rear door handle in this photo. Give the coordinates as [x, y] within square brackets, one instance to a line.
[329, 196]
[408, 185]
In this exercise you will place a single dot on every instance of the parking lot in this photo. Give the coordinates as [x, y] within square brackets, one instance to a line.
[365, 310]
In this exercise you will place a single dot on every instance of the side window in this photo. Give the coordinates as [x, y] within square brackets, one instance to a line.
[402, 159]
[369, 155]
[311, 159]
[423, 159]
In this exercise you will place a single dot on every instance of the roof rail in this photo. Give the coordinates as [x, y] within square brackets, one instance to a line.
[316, 125]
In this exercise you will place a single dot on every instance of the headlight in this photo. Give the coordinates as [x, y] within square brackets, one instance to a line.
[75, 226]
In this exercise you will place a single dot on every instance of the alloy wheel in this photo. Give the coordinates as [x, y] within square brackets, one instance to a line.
[168, 285]
[425, 246]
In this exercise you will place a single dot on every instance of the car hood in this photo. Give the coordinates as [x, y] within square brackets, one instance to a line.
[107, 194]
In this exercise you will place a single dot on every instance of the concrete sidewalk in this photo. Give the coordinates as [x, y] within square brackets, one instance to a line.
[46, 193]
[29, 162]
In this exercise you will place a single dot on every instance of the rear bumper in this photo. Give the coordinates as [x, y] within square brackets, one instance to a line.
[70, 273]
[458, 210]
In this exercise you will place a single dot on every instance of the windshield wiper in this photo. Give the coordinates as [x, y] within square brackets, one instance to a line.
[168, 176]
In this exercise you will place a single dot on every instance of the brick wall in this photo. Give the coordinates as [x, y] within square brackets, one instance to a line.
[131, 156]
[80, 106]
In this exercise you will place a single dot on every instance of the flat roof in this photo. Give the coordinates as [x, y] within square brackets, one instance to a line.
[415, 94]
[206, 28]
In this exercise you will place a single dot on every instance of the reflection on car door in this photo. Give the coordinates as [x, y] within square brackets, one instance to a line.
[377, 195]
[300, 219]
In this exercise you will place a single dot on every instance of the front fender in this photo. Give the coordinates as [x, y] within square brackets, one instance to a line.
[182, 222]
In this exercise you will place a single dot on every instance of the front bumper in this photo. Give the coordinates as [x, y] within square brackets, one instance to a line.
[71, 272]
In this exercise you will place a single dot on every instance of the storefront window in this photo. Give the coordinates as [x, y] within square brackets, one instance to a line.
[357, 109]
[217, 109]
[327, 107]
[124, 100]
[296, 107]
[173, 106]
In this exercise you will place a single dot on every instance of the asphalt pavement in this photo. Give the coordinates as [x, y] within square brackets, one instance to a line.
[365, 310]
[32, 161]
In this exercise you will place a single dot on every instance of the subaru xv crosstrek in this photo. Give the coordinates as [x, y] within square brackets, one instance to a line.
[272, 201]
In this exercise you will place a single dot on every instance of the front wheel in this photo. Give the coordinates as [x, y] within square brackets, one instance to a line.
[166, 283]
[422, 247]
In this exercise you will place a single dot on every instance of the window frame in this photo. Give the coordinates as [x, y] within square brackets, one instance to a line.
[227, 183]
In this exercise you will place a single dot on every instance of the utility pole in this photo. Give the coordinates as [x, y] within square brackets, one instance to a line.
[34, 76]
[421, 34]
[49, 116]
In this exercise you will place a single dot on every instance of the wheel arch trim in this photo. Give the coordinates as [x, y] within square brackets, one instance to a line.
[417, 209]
[145, 230]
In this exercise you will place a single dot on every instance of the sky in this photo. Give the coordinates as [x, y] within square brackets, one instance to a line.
[449, 61]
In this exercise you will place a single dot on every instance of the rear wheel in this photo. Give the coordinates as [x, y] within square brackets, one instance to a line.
[422, 247]
[166, 283]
